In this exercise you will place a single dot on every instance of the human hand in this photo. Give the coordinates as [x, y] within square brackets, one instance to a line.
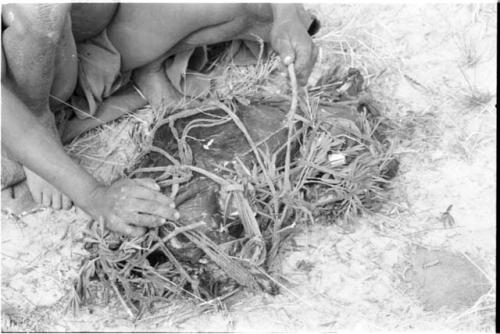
[130, 206]
[289, 38]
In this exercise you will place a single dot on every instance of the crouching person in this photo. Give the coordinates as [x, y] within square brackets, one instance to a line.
[36, 38]
[39, 60]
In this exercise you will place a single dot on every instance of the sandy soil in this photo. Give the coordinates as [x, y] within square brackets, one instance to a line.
[433, 69]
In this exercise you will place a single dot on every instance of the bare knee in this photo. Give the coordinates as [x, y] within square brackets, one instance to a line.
[45, 22]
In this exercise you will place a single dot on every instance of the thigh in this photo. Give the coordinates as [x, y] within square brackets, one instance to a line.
[143, 33]
[66, 66]
[30, 40]
[89, 19]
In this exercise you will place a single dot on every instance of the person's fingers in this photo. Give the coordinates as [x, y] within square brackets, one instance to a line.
[310, 65]
[314, 58]
[148, 194]
[56, 201]
[46, 199]
[153, 208]
[121, 227]
[305, 59]
[66, 203]
[302, 58]
[285, 49]
[146, 220]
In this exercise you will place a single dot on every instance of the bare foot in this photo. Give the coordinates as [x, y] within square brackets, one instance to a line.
[18, 200]
[46, 194]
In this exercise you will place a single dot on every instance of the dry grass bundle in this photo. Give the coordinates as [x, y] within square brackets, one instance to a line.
[327, 159]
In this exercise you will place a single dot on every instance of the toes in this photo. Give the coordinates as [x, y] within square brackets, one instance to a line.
[37, 196]
[66, 203]
[56, 201]
[46, 199]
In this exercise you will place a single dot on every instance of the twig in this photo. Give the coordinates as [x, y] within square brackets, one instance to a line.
[492, 282]
[174, 233]
[120, 298]
[178, 287]
[210, 175]
[291, 114]
[286, 182]
[183, 229]
[242, 128]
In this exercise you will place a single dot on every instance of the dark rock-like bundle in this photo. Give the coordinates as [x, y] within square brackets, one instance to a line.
[241, 195]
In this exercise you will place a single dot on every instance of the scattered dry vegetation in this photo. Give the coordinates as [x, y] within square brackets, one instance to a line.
[340, 171]
[430, 72]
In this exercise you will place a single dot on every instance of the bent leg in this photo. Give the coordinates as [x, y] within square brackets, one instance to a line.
[66, 67]
[143, 33]
[28, 141]
[30, 44]
[12, 172]
[146, 34]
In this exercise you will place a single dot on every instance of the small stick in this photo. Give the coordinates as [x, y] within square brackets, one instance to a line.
[291, 114]
[129, 311]
[286, 182]
[175, 232]
[210, 175]
[183, 229]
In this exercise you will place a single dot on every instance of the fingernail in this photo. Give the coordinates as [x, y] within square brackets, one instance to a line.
[177, 215]
[172, 205]
[288, 60]
[163, 221]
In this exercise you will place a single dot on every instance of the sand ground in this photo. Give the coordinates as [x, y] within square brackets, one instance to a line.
[432, 68]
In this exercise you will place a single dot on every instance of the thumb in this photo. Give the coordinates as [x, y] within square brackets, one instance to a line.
[286, 51]
[288, 59]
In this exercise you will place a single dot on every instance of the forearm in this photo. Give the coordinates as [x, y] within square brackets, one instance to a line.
[33, 144]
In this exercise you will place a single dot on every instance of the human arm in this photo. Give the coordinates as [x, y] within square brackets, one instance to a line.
[290, 39]
[127, 206]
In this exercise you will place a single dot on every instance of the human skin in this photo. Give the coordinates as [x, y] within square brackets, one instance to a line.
[127, 206]
[145, 42]
[29, 134]
[33, 42]
[144, 34]
[32, 52]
